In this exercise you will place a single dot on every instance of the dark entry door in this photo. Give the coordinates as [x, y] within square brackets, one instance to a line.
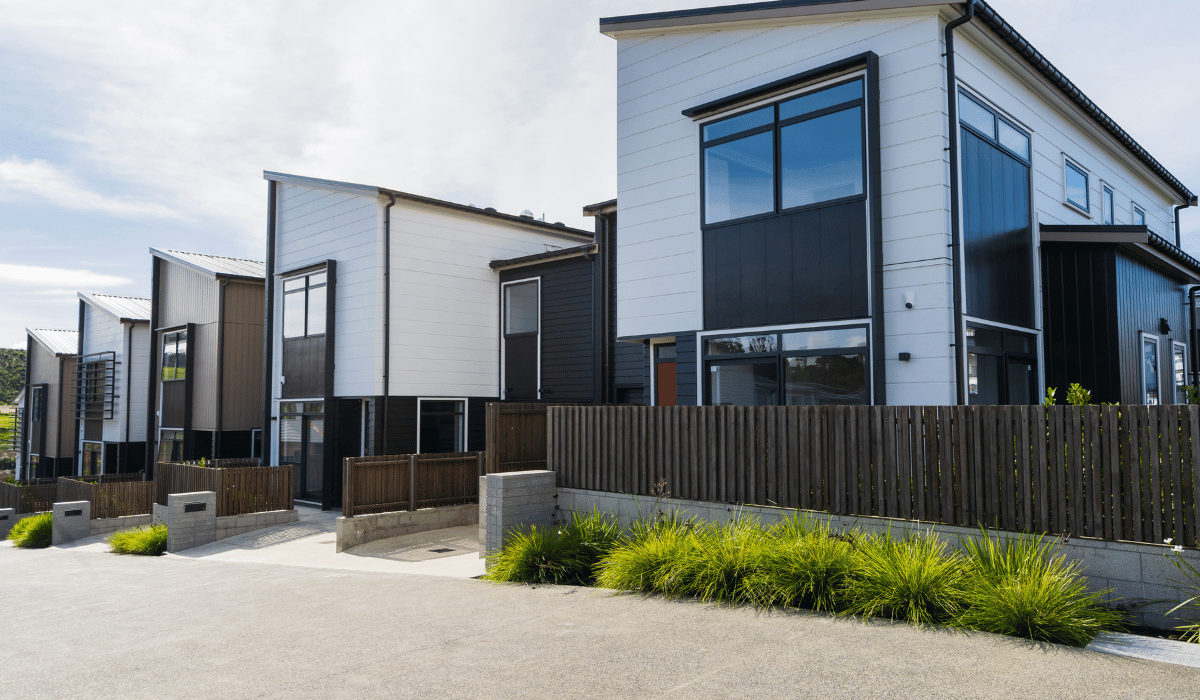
[665, 382]
[302, 445]
[522, 327]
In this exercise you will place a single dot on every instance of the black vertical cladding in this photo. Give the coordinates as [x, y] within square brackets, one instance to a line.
[1145, 295]
[400, 438]
[189, 379]
[610, 253]
[27, 417]
[347, 440]
[268, 403]
[686, 391]
[477, 424]
[1079, 319]
[569, 348]
[155, 377]
[331, 494]
[997, 233]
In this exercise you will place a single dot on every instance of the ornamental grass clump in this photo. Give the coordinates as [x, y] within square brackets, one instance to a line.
[1023, 587]
[564, 553]
[914, 578]
[34, 532]
[720, 559]
[807, 566]
[650, 559]
[146, 541]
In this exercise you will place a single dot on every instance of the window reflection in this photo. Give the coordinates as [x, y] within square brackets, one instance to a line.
[739, 178]
[748, 384]
[822, 158]
[827, 380]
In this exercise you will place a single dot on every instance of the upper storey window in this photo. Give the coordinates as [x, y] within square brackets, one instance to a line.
[304, 305]
[799, 152]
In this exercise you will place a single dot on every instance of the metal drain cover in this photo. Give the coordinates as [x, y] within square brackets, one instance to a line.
[442, 550]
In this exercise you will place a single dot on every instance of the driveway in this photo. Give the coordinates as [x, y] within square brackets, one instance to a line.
[81, 623]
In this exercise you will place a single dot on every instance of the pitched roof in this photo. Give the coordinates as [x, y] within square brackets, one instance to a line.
[122, 308]
[547, 256]
[57, 340]
[984, 12]
[557, 228]
[215, 265]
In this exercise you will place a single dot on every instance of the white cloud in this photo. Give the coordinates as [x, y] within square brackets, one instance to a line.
[39, 180]
[55, 276]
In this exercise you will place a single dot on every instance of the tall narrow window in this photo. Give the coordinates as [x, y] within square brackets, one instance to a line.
[1179, 371]
[174, 356]
[521, 325]
[1150, 393]
[1076, 185]
[1107, 203]
[304, 305]
[442, 426]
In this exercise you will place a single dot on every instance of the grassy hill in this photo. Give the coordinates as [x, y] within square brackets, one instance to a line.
[12, 373]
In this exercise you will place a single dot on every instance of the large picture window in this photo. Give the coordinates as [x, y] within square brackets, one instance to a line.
[174, 356]
[809, 367]
[799, 152]
[304, 305]
[443, 426]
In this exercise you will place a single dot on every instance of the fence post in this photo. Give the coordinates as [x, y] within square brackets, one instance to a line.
[412, 483]
[347, 487]
[480, 460]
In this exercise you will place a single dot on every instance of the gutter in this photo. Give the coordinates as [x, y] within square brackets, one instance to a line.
[387, 317]
[960, 359]
[220, 371]
[1190, 203]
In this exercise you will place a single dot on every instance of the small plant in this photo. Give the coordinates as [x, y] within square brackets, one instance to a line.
[148, 541]
[1020, 586]
[1078, 396]
[807, 566]
[34, 532]
[537, 555]
[913, 578]
[1049, 400]
[1192, 394]
[1190, 584]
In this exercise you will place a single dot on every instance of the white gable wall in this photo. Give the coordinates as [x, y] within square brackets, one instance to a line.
[104, 333]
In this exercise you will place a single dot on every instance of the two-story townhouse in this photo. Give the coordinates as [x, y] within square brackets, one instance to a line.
[110, 383]
[206, 397]
[47, 422]
[392, 318]
[884, 201]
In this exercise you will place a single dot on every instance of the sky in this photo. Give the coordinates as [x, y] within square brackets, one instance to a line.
[127, 125]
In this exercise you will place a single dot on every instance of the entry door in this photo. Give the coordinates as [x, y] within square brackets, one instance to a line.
[522, 330]
[664, 375]
[37, 419]
[302, 445]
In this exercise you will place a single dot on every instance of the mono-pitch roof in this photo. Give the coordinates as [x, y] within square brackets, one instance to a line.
[57, 340]
[215, 265]
[1021, 46]
[122, 308]
[349, 187]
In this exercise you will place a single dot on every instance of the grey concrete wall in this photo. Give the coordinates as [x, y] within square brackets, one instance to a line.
[361, 529]
[482, 516]
[105, 526]
[68, 528]
[516, 499]
[1138, 573]
[8, 518]
[234, 525]
[186, 530]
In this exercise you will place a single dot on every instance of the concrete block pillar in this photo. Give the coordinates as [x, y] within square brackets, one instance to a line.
[72, 521]
[513, 500]
[191, 520]
[483, 516]
[8, 518]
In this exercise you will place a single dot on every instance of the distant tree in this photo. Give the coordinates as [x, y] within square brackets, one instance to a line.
[12, 373]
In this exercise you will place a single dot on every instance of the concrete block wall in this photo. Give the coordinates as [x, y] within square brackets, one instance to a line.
[1139, 574]
[8, 518]
[234, 525]
[361, 529]
[515, 499]
[72, 521]
[190, 529]
[106, 526]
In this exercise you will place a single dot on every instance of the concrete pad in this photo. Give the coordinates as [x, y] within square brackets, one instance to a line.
[1134, 646]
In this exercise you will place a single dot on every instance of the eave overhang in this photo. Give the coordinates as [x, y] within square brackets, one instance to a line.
[1137, 240]
[548, 256]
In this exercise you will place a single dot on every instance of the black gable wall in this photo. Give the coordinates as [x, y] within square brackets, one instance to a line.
[1079, 312]
[1145, 295]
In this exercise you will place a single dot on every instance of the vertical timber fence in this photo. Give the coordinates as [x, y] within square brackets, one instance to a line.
[28, 497]
[109, 499]
[516, 437]
[1109, 472]
[387, 483]
[240, 484]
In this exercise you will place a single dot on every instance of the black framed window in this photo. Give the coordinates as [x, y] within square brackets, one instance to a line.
[1076, 184]
[93, 459]
[1107, 204]
[1179, 369]
[174, 355]
[802, 367]
[170, 445]
[799, 152]
[988, 123]
[304, 299]
[1150, 372]
[1001, 367]
[442, 425]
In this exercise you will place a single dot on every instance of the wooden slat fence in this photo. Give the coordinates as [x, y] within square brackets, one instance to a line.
[1109, 472]
[25, 497]
[516, 437]
[387, 483]
[110, 499]
[239, 489]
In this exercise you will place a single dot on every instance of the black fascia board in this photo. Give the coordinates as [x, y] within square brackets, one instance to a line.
[600, 205]
[1152, 239]
[781, 85]
[718, 10]
[1093, 228]
[539, 257]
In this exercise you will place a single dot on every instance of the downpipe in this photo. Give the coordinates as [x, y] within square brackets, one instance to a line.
[960, 360]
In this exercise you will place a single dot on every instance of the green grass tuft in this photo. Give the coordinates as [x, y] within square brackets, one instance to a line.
[34, 532]
[649, 561]
[148, 541]
[807, 567]
[1020, 586]
[721, 558]
[914, 578]
[536, 555]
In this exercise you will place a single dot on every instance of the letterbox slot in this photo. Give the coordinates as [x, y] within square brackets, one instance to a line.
[77, 511]
[194, 507]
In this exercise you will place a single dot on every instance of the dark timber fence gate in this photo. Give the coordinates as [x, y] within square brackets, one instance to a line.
[1110, 472]
[386, 483]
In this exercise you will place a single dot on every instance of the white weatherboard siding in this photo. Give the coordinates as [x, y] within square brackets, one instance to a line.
[139, 361]
[103, 333]
[659, 268]
[445, 330]
[314, 225]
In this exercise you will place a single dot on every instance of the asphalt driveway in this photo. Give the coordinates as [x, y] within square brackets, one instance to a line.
[86, 624]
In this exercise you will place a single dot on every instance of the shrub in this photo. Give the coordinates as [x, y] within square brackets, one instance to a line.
[1190, 584]
[805, 567]
[34, 532]
[648, 561]
[537, 555]
[593, 535]
[148, 541]
[720, 559]
[913, 578]
[1020, 586]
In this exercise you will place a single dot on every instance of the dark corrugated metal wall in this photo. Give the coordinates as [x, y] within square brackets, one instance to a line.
[1079, 312]
[1144, 296]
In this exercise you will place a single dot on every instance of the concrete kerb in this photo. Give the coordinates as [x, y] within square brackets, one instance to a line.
[72, 521]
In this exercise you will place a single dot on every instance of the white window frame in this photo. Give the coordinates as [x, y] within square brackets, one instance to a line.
[466, 405]
[1134, 208]
[1177, 345]
[1108, 211]
[504, 320]
[1143, 338]
[1067, 163]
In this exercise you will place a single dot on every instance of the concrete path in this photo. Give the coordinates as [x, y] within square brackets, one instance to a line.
[80, 623]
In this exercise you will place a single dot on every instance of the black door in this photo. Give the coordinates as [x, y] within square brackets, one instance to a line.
[302, 445]
[521, 339]
[37, 426]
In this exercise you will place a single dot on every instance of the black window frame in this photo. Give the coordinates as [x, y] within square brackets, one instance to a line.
[460, 413]
[776, 127]
[781, 357]
[306, 290]
[176, 335]
[1004, 354]
[994, 137]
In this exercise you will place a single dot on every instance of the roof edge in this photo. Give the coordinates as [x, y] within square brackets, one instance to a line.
[90, 297]
[548, 256]
[167, 255]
